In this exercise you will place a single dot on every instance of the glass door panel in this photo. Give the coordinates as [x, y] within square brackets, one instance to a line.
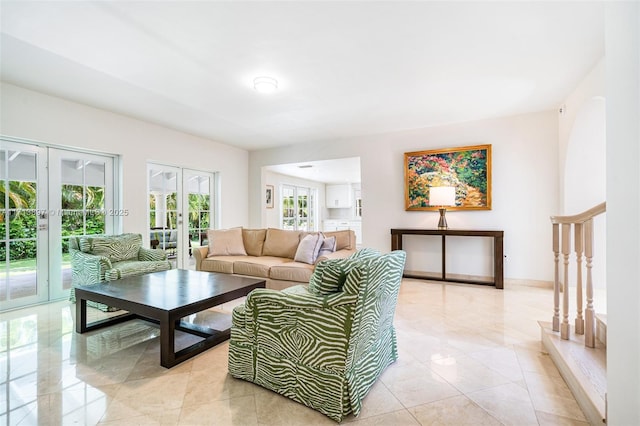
[165, 211]
[199, 204]
[23, 269]
[81, 200]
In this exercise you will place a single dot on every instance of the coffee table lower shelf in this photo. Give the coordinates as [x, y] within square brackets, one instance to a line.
[168, 356]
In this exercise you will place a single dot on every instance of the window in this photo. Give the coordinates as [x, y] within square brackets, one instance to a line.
[298, 208]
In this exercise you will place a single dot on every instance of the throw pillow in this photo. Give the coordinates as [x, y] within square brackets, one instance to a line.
[330, 275]
[308, 249]
[328, 246]
[225, 242]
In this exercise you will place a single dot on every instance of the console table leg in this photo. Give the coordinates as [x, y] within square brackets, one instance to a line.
[444, 258]
[498, 265]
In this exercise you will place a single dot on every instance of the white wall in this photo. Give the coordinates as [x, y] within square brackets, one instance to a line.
[271, 217]
[622, 45]
[35, 116]
[582, 153]
[525, 190]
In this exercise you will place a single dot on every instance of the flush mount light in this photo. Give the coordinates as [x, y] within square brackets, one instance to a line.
[265, 84]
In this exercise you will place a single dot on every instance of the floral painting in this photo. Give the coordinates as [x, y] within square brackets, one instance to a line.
[468, 169]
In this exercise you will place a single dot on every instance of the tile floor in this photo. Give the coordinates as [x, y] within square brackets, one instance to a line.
[468, 355]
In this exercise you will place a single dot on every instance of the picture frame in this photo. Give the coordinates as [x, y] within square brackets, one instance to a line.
[467, 168]
[268, 196]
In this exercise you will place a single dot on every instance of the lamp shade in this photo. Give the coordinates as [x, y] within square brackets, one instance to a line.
[442, 196]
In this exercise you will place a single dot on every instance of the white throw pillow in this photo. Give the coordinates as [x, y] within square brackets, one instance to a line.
[225, 242]
[328, 246]
[308, 249]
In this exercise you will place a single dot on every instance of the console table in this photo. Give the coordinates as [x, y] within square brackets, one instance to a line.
[498, 237]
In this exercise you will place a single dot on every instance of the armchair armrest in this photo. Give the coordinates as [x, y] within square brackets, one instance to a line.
[297, 297]
[200, 253]
[146, 254]
[88, 268]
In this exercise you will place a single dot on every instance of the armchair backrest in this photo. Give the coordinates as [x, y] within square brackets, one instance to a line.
[114, 247]
[378, 281]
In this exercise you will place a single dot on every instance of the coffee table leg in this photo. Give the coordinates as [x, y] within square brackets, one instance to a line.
[167, 341]
[81, 314]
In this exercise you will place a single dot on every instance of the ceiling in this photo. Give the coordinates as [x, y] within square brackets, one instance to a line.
[345, 69]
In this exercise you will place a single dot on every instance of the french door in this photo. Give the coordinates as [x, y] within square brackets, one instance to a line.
[181, 209]
[23, 225]
[81, 202]
[40, 208]
[298, 208]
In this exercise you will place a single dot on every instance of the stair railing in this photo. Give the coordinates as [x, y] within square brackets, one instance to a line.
[582, 226]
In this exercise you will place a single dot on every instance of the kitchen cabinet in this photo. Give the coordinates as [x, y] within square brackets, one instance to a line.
[338, 196]
[342, 225]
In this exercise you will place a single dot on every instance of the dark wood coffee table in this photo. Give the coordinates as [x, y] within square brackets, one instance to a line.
[164, 298]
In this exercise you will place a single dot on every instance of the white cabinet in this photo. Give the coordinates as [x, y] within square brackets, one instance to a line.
[342, 225]
[330, 225]
[338, 196]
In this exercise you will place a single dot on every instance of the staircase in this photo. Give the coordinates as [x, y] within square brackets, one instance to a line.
[580, 356]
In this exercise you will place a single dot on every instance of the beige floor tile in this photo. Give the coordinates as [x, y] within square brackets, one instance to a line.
[509, 403]
[552, 395]
[467, 374]
[378, 401]
[274, 409]
[457, 410]
[417, 384]
[546, 419]
[234, 411]
[397, 418]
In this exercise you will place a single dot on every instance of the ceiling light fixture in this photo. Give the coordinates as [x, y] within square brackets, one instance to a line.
[265, 84]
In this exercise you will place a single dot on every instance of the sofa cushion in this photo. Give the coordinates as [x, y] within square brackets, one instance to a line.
[343, 239]
[225, 242]
[281, 243]
[222, 264]
[253, 241]
[114, 247]
[292, 271]
[308, 249]
[257, 266]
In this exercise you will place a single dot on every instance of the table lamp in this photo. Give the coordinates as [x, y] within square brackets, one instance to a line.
[442, 196]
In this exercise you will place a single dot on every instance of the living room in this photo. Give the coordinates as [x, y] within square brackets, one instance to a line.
[529, 156]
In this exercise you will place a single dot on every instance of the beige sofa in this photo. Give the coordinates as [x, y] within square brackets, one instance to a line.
[270, 255]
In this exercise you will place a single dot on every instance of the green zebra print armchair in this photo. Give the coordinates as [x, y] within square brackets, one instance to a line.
[323, 345]
[98, 258]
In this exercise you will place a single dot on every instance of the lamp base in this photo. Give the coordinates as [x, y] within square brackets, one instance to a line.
[442, 224]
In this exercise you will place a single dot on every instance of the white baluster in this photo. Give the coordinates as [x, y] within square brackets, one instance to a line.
[565, 328]
[579, 238]
[590, 323]
[556, 281]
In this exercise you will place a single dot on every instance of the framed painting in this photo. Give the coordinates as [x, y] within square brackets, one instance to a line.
[467, 169]
[268, 196]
